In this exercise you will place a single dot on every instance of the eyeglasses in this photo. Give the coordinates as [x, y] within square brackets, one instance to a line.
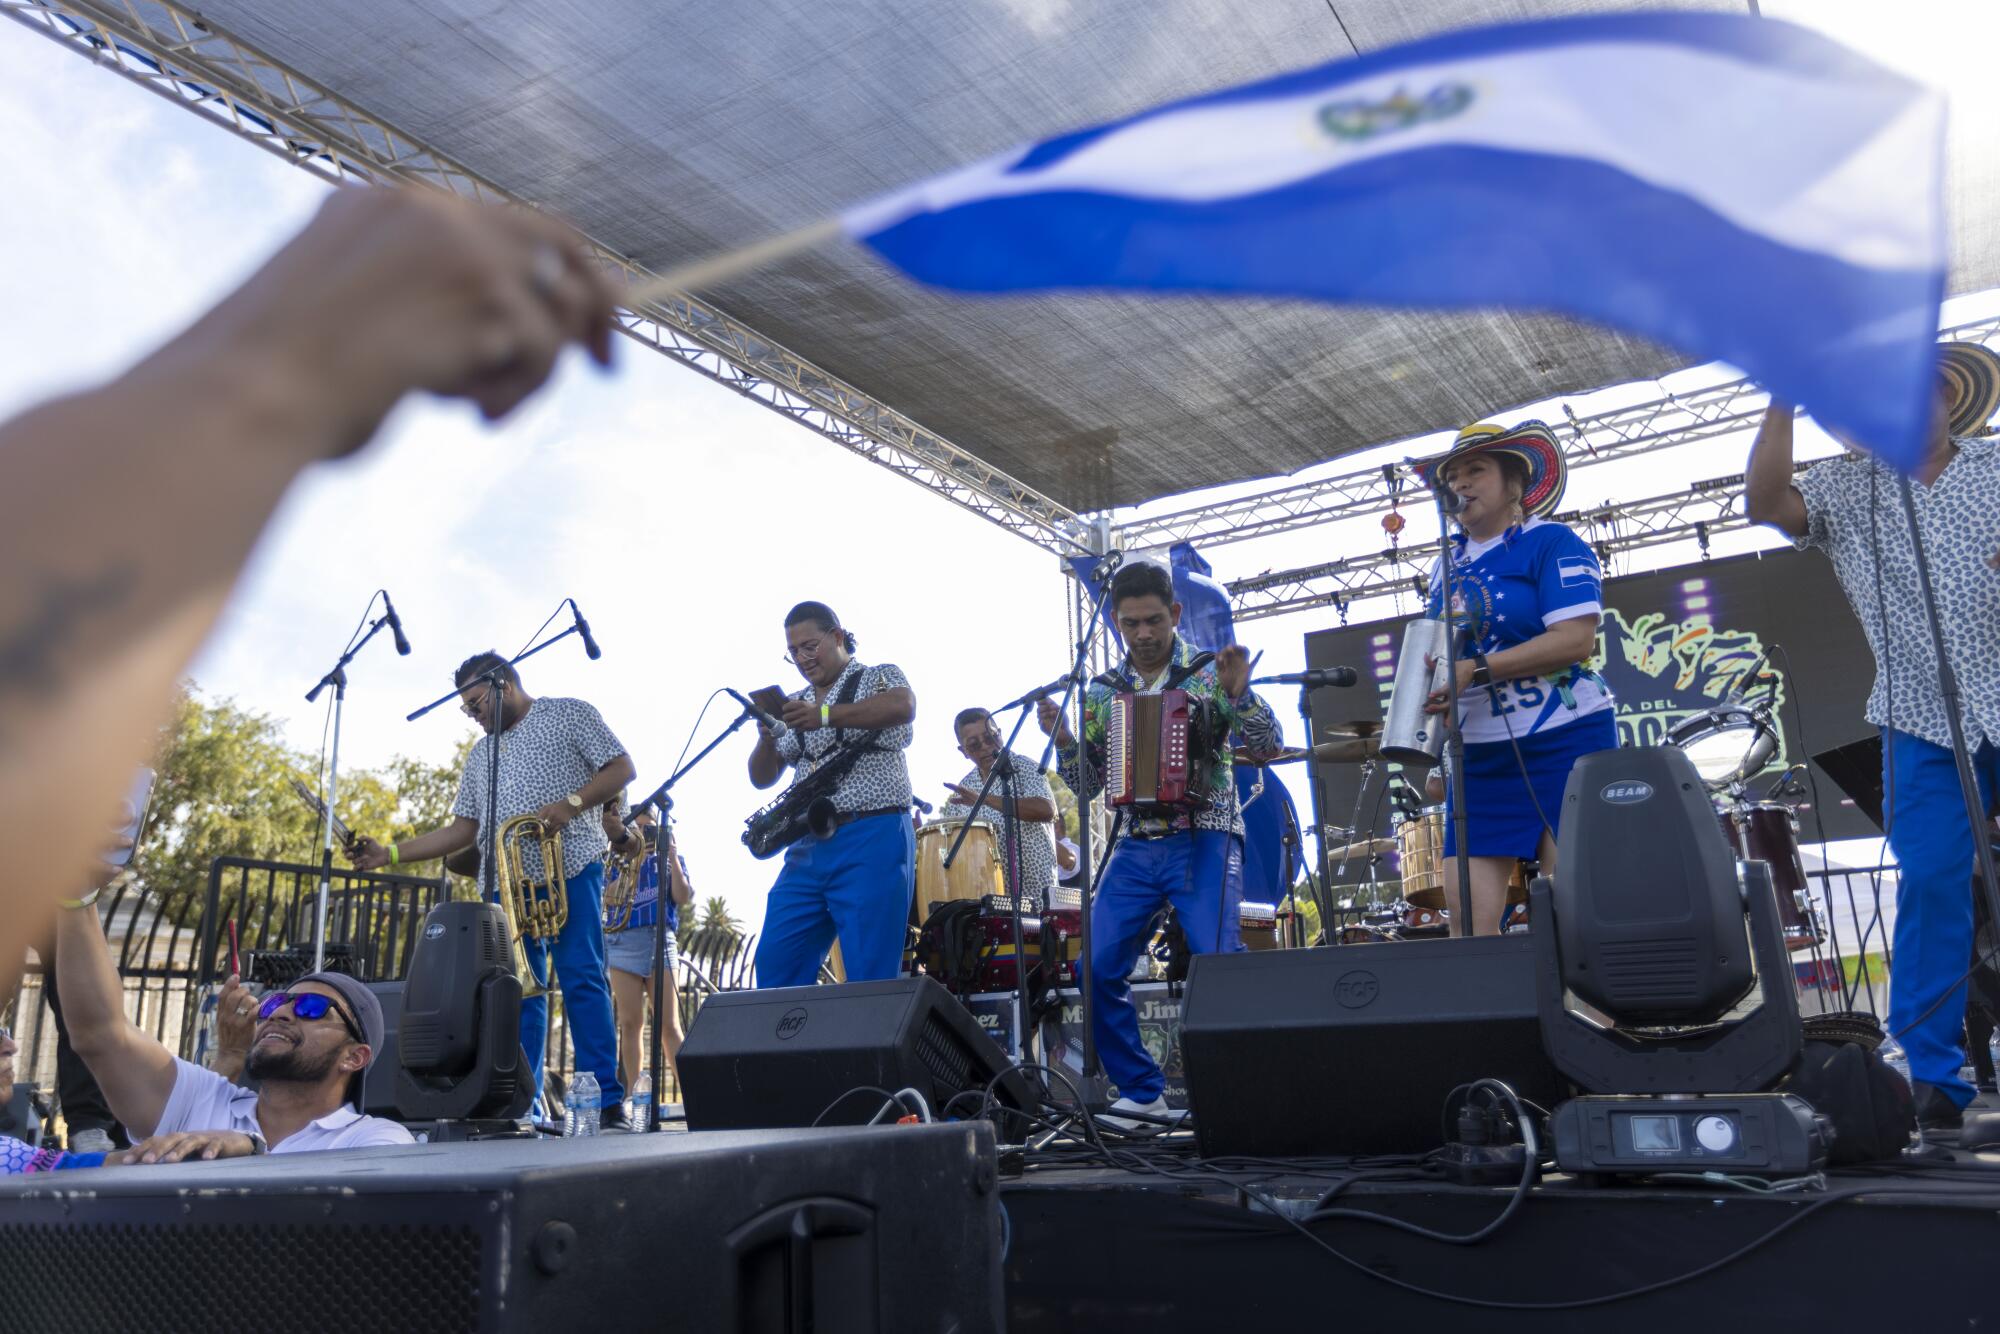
[309, 1006]
[6, 1033]
[473, 710]
[809, 649]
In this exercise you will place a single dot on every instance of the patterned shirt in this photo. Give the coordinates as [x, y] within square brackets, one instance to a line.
[554, 750]
[880, 779]
[1507, 590]
[1249, 720]
[1854, 510]
[1038, 848]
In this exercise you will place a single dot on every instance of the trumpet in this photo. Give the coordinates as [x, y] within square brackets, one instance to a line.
[535, 910]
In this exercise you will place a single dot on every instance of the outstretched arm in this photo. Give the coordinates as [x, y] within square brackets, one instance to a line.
[136, 1073]
[385, 292]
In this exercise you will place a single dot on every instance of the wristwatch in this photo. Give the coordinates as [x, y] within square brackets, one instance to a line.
[575, 801]
[1482, 673]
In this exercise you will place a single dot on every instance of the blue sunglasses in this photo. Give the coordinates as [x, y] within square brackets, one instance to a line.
[308, 1006]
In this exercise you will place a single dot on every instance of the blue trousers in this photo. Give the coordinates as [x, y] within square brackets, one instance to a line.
[1201, 874]
[1933, 938]
[856, 885]
[579, 957]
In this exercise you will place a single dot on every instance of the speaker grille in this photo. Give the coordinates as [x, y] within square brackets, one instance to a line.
[202, 1277]
[1651, 972]
[944, 1056]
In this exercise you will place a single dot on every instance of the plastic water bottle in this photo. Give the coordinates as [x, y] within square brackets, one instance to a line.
[1892, 1053]
[585, 1110]
[570, 1119]
[642, 1103]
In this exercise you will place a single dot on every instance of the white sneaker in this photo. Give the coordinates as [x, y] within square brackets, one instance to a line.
[91, 1141]
[1131, 1126]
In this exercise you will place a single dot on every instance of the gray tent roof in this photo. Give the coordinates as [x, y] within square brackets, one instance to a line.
[669, 131]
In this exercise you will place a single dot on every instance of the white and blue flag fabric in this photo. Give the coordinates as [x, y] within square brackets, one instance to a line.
[1734, 187]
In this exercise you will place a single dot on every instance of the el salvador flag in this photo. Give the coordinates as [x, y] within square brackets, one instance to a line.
[1738, 188]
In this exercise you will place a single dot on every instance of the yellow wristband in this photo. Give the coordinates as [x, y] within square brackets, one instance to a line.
[826, 715]
[74, 904]
[395, 856]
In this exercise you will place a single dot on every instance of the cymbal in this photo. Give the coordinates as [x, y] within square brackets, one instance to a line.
[1289, 755]
[1359, 727]
[1347, 750]
[1368, 847]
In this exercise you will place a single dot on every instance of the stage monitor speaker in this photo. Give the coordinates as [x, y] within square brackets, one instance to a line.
[843, 1231]
[792, 1056]
[1353, 1049]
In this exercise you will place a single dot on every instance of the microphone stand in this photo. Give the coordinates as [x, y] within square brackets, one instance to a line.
[659, 798]
[337, 678]
[1454, 736]
[1323, 889]
[1002, 771]
[489, 828]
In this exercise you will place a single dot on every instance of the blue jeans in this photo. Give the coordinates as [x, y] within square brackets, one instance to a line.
[579, 956]
[1201, 874]
[856, 884]
[1933, 939]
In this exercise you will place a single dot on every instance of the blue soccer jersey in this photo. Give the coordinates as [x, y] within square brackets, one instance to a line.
[1507, 591]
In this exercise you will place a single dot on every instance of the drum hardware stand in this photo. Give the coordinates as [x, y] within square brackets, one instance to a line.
[337, 678]
[1323, 885]
[1454, 735]
[1968, 785]
[1002, 772]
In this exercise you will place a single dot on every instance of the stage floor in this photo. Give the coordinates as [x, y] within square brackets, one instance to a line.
[1092, 1249]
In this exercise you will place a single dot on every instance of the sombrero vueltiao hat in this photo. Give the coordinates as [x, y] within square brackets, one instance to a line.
[1532, 442]
[1972, 386]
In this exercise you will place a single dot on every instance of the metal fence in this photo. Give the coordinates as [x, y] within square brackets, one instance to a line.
[173, 961]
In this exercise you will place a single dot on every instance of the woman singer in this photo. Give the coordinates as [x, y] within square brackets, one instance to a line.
[1525, 598]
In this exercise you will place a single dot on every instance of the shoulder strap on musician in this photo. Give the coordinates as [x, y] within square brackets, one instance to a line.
[846, 696]
[1179, 675]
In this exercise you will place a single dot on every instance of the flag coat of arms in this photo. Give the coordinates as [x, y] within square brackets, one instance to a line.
[1736, 188]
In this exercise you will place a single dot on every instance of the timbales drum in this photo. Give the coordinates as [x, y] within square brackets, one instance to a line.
[1768, 832]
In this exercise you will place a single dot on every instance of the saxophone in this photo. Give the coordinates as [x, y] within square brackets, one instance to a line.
[806, 806]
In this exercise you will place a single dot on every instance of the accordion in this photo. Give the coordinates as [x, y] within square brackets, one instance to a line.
[1156, 748]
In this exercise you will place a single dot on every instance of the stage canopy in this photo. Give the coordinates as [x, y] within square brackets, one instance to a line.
[670, 131]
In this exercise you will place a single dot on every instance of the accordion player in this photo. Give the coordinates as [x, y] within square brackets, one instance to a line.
[1157, 748]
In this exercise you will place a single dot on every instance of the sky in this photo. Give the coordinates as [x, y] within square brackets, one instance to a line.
[683, 518]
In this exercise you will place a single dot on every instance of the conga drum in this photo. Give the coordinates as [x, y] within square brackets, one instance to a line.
[975, 873]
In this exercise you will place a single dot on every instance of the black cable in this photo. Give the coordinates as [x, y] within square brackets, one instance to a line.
[543, 626]
[1812, 784]
[1578, 1303]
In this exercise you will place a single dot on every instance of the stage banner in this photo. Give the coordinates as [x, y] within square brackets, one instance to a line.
[1671, 644]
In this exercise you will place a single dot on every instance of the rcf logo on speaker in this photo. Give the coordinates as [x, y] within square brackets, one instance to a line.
[434, 930]
[1626, 793]
[791, 1022]
[1357, 989]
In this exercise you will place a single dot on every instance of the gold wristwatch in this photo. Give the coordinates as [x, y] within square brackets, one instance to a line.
[575, 800]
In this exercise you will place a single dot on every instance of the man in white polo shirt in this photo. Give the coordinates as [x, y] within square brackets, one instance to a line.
[313, 1042]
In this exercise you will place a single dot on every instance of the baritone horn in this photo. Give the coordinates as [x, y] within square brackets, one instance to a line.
[621, 884]
[536, 910]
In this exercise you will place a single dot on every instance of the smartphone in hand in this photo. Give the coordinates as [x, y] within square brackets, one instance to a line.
[132, 819]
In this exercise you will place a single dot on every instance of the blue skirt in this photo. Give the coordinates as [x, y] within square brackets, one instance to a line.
[1501, 819]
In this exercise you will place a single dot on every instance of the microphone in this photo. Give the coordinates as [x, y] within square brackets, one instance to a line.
[395, 625]
[1449, 500]
[1312, 678]
[1748, 680]
[921, 804]
[1055, 687]
[755, 712]
[590, 648]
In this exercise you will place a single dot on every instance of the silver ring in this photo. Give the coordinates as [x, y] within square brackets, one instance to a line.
[242, 1010]
[546, 270]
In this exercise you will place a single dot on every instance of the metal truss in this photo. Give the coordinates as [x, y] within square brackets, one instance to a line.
[1698, 513]
[1666, 422]
[172, 51]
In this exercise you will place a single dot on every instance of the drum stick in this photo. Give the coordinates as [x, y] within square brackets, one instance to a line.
[706, 273]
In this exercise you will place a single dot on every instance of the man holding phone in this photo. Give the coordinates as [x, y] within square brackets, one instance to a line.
[856, 882]
[313, 1043]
